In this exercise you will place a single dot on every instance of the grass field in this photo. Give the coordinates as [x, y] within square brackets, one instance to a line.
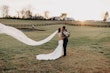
[88, 51]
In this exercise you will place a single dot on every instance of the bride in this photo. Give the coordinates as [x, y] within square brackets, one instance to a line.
[57, 53]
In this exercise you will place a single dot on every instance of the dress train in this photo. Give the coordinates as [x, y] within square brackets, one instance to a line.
[57, 53]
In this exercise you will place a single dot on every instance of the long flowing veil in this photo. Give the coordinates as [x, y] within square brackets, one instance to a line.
[19, 35]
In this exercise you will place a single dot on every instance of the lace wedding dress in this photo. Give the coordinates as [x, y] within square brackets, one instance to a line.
[57, 53]
[17, 34]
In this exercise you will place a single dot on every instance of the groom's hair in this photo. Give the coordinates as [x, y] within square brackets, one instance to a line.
[64, 27]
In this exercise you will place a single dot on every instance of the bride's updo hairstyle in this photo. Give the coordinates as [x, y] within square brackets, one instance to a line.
[59, 29]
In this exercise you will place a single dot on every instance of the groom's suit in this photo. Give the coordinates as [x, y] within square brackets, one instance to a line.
[65, 41]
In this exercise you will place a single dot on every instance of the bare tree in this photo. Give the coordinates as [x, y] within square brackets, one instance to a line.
[106, 16]
[63, 16]
[22, 13]
[46, 14]
[5, 11]
[26, 13]
[18, 14]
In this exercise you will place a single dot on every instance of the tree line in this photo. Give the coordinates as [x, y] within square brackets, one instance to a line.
[24, 13]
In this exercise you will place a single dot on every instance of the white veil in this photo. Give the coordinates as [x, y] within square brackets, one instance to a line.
[17, 34]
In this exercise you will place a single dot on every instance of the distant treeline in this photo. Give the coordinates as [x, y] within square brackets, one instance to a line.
[30, 22]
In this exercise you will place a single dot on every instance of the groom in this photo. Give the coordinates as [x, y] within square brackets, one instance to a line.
[65, 40]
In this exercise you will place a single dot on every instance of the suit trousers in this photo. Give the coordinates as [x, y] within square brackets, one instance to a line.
[65, 42]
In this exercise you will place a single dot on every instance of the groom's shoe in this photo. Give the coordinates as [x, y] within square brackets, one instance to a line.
[64, 55]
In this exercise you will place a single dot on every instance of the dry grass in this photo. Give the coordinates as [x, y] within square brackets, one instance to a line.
[88, 51]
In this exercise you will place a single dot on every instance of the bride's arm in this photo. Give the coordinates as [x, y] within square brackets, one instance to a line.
[61, 37]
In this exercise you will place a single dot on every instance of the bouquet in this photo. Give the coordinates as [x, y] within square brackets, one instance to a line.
[66, 33]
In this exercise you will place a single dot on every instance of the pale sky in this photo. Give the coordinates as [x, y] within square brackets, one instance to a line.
[77, 9]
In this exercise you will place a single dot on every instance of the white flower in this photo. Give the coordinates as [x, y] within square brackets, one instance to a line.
[66, 33]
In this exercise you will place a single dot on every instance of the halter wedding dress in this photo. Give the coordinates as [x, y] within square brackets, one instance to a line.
[57, 53]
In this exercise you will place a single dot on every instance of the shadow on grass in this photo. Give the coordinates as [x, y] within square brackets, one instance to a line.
[30, 29]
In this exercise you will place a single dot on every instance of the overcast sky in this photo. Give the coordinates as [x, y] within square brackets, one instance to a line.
[78, 9]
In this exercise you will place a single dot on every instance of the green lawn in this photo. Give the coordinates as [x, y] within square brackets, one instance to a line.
[88, 51]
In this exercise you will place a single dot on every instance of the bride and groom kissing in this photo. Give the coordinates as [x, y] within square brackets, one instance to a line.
[60, 50]
[63, 36]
